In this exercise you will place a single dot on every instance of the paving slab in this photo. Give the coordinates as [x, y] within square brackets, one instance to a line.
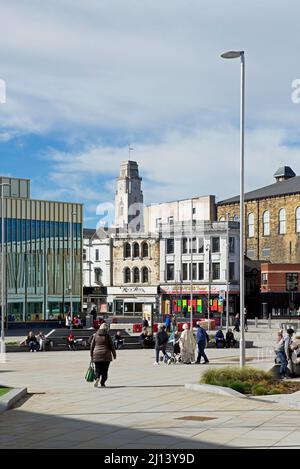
[140, 408]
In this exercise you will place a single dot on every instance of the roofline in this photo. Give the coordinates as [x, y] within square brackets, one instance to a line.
[181, 200]
[225, 202]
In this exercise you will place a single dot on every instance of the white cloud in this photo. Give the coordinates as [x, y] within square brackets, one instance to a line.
[183, 165]
[143, 66]
[150, 72]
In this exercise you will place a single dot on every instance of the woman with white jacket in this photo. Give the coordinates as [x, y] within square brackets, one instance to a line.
[187, 344]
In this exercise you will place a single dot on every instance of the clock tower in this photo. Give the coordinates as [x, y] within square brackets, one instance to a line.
[129, 200]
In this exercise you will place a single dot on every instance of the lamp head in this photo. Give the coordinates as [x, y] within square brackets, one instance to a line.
[232, 54]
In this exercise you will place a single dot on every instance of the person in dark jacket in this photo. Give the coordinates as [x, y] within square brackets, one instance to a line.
[145, 323]
[230, 340]
[202, 338]
[102, 351]
[236, 323]
[118, 341]
[32, 342]
[161, 340]
[220, 339]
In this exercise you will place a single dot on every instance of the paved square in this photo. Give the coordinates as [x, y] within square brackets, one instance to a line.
[140, 408]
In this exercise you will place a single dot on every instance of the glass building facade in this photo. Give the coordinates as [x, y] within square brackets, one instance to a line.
[43, 245]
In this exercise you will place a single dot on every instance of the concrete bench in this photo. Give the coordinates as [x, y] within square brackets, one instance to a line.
[248, 344]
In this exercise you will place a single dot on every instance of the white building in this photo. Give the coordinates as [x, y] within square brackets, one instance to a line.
[210, 268]
[97, 270]
[203, 208]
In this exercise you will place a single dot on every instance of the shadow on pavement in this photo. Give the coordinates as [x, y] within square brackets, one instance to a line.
[22, 429]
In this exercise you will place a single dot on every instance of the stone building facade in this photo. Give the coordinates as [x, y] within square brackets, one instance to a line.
[272, 219]
[135, 278]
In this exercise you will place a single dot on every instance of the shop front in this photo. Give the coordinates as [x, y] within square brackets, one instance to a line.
[131, 301]
[177, 300]
[95, 297]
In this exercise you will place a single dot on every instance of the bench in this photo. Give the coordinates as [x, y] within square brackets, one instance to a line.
[248, 344]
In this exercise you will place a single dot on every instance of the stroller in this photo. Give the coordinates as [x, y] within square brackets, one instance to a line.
[173, 354]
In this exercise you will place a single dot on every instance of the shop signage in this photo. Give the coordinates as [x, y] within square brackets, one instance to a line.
[132, 290]
[200, 289]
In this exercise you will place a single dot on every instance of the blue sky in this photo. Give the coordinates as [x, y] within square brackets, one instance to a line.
[85, 78]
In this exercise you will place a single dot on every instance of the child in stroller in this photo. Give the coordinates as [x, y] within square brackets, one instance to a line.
[173, 350]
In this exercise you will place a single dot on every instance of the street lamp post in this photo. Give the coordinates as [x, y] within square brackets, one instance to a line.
[227, 273]
[241, 55]
[191, 270]
[208, 249]
[72, 214]
[2, 350]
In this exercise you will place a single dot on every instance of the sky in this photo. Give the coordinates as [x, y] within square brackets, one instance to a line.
[85, 78]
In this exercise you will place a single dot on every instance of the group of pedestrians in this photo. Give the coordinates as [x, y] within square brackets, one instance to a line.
[76, 322]
[287, 353]
[187, 344]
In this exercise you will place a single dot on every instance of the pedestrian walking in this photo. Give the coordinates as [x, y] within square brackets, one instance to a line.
[118, 341]
[102, 352]
[145, 323]
[68, 320]
[174, 323]
[283, 351]
[236, 323]
[94, 313]
[245, 320]
[202, 339]
[187, 345]
[161, 340]
[168, 323]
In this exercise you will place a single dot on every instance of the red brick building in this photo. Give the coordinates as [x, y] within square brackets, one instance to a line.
[280, 293]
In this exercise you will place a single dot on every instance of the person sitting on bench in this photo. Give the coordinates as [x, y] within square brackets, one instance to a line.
[230, 340]
[71, 341]
[220, 339]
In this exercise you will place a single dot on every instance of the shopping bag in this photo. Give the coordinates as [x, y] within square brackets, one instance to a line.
[90, 374]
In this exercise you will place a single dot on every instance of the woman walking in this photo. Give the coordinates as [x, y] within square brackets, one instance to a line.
[187, 345]
[102, 350]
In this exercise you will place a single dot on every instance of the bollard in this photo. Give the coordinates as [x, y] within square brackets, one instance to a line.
[269, 321]
[256, 321]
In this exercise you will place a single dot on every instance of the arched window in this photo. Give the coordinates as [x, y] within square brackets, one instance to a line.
[145, 249]
[127, 275]
[282, 221]
[127, 250]
[266, 223]
[250, 225]
[145, 275]
[136, 275]
[298, 220]
[136, 250]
